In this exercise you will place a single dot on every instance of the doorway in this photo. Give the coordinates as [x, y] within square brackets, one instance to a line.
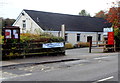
[89, 38]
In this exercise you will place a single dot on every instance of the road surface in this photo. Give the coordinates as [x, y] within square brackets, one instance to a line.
[94, 70]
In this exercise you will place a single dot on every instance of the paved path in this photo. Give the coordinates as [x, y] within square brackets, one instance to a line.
[80, 53]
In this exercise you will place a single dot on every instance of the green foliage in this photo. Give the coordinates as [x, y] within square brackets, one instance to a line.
[117, 33]
[117, 36]
[1, 39]
[68, 46]
[10, 54]
[84, 13]
[27, 37]
[7, 22]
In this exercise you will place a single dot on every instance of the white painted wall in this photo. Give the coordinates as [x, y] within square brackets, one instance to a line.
[72, 36]
[31, 26]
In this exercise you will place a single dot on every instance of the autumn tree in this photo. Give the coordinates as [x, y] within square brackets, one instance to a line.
[100, 14]
[113, 16]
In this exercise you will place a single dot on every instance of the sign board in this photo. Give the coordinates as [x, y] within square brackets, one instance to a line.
[110, 38]
[53, 45]
[106, 30]
[11, 32]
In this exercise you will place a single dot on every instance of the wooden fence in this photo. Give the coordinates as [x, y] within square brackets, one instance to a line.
[27, 49]
[103, 45]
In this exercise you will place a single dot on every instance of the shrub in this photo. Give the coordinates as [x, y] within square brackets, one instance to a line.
[1, 39]
[83, 44]
[68, 46]
[117, 38]
[27, 37]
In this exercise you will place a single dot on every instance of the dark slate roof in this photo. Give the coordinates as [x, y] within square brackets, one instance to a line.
[53, 21]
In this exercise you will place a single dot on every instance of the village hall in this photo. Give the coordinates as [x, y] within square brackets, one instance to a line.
[77, 28]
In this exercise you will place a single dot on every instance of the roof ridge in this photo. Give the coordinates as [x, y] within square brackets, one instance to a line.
[57, 13]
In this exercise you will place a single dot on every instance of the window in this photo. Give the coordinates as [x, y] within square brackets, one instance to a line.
[99, 37]
[78, 37]
[66, 37]
[24, 24]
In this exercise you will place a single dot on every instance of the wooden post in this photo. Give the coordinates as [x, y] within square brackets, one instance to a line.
[104, 47]
[90, 42]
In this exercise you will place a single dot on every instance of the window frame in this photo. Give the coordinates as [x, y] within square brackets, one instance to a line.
[24, 24]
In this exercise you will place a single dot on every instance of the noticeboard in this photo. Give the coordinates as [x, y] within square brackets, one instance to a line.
[12, 32]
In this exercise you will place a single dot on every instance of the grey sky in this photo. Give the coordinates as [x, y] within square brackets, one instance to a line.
[12, 8]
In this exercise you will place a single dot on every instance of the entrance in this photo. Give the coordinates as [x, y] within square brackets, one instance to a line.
[89, 38]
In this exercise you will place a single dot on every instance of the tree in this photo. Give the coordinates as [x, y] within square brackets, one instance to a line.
[113, 16]
[7, 22]
[84, 13]
[100, 14]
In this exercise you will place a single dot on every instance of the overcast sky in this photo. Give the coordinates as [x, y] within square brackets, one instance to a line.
[12, 8]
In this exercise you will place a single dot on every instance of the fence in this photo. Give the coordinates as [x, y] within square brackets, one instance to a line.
[103, 45]
[27, 49]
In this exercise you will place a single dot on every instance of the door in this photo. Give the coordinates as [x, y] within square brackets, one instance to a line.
[89, 38]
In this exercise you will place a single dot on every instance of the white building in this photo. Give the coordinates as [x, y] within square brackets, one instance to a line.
[77, 28]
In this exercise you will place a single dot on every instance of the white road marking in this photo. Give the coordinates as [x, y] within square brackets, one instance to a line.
[101, 57]
[17, 76]
[108, 78]
[105, 79]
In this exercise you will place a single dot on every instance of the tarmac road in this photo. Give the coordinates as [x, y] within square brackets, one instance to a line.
[94, 70]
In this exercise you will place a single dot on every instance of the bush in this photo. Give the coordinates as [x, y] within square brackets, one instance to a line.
[1, 39]
[117, 38]
[68, 46]
[27, 37]
[83, 44]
